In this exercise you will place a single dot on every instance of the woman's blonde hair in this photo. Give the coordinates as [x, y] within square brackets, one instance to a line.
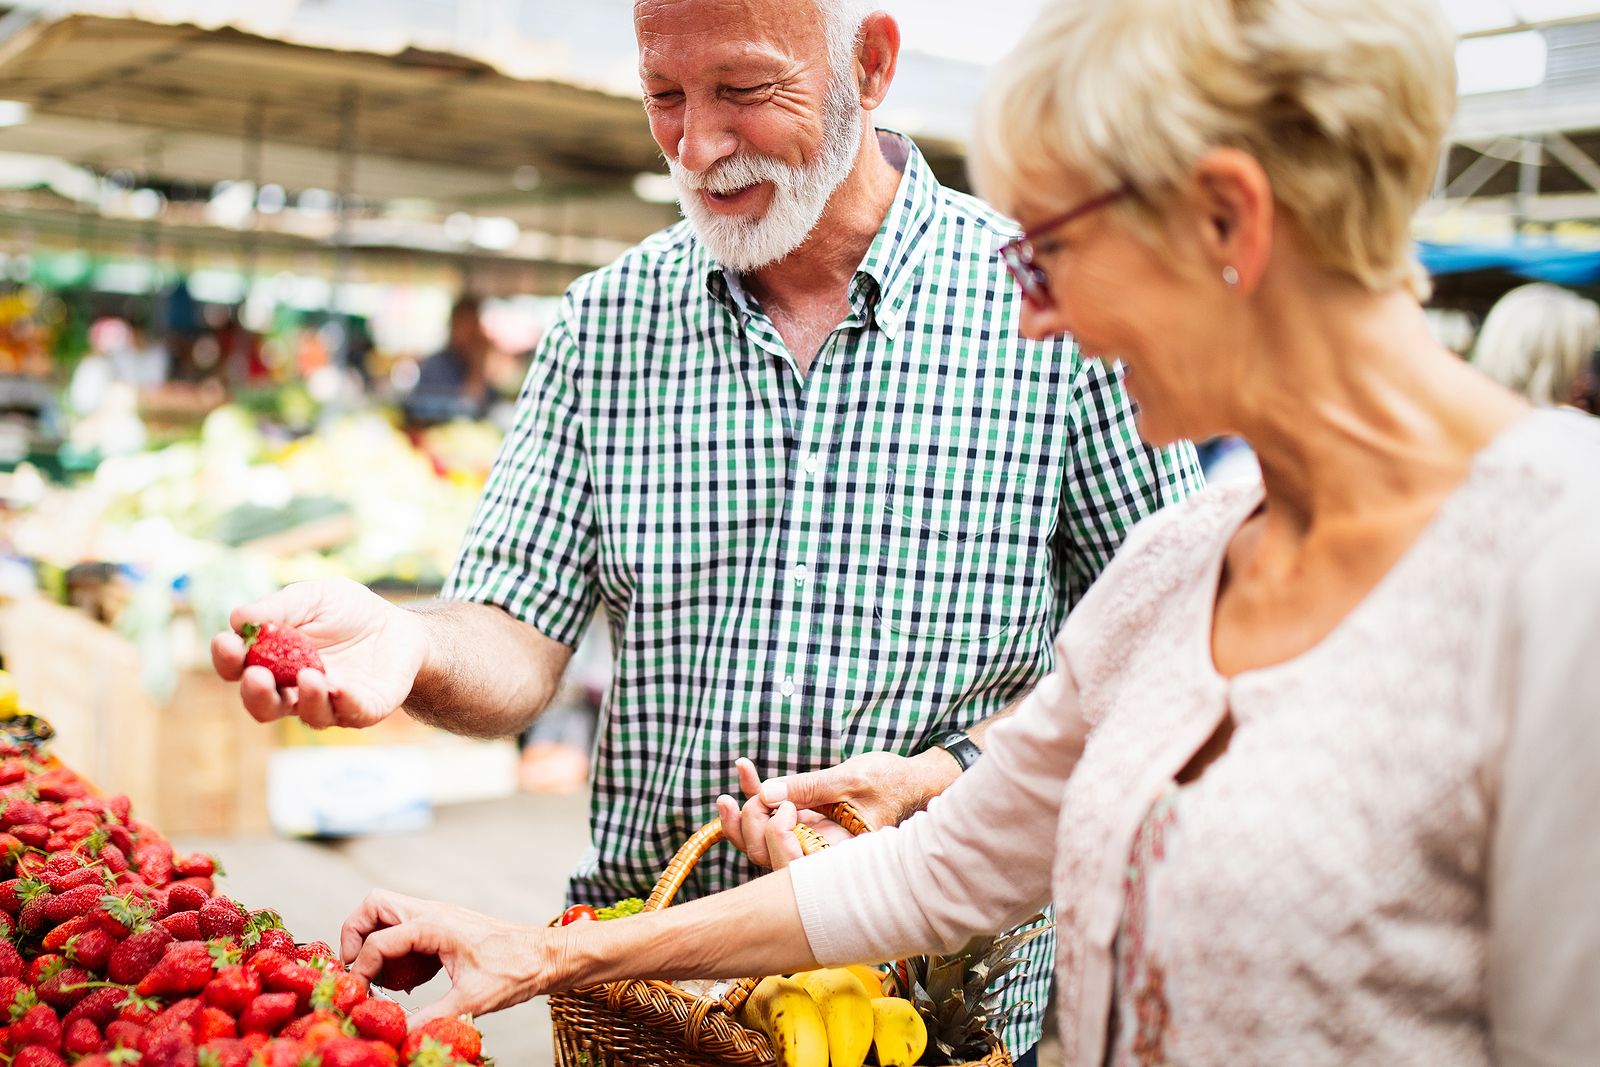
[1345, 104]
[1536, 340]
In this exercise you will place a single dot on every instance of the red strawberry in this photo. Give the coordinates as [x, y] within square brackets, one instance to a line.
[283, 651]
[122, 839]
[300, 1027]
[119, 916]
[284, 1052]
[185, 926]
[12, 770]
[65, 988]
[99, 1007]
[17, 892]
[214, 1023]
[312, 951]
[9, 989]
[114, 859]
[10, 960]
[296, 978]
[57, 939]
[91, 949]
[185, 897]
[35, 1056]
[221, 917]
[195, 865]
[276, 939]
[136, 1009]
[34, 835]
[40, 1026]
[21, 813]
[34, 912]
[380, 1020]
[268, 1013]
[354, 1052]
[172, 1048]
[186, 968]
[75, 879]
[233, 989]
[74, 902]
[226, 1052]
[268, 960]
[121, 1033]
[460, 1036]
[348, 991]
[205, 885]
[407, 972]
[133, 959]
[43, 966]
[82, 1037]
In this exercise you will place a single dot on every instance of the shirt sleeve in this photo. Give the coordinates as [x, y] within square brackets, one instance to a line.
[1544, 879]
[1113, 479]
[531, 548]
[978, 860]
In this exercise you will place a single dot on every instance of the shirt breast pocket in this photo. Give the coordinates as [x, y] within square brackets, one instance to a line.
[959, 561]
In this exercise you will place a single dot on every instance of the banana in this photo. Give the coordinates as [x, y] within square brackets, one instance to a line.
[785, 1012]
[871, 978]
[898, 1032]
[846, 1012]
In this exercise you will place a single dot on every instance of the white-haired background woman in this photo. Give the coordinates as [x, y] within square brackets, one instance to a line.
[1536, 340]
[1313, 781]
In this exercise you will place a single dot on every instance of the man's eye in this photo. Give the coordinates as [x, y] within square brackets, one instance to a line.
[747, 90]
[665, 96]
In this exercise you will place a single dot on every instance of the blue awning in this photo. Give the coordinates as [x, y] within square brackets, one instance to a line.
[1541, 260]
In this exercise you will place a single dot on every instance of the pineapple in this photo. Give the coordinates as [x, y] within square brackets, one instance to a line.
[959, 996]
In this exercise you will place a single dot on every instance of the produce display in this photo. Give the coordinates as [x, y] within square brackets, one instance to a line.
[115, 950]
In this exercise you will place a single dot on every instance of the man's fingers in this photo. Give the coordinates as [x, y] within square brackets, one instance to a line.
[389, 943]
[749, 779]
[293, 605]
[810, 790]
[783, 847]
[377, 910]
[260, 695]
[312, 705]
[728, 813]
[227, 655]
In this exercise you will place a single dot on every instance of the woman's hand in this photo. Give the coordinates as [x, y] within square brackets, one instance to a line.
[492, 964]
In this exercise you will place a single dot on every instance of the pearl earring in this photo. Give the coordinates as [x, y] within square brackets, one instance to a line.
[1230, 277]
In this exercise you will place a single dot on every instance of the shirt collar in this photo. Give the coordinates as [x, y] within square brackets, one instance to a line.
[894, 259]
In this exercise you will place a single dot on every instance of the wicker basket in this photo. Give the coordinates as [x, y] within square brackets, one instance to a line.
[646, 1023]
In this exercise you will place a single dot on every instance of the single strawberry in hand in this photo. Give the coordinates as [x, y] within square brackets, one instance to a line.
[282, 651]
[405, 973]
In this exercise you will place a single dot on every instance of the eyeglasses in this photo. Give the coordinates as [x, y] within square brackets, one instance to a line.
[1018, 253]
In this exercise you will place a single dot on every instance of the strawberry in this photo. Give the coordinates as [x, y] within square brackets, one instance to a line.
[34, 835]
[185, 968]
[354, 1052]
[82, 1037]
[348, 991]
[275, 939]
[268, 1013]
[10, 848]
[74, 902]
[380, 1020]
[213, 1024]
[12, 770]
[153, 861]
[75, 879]
[296, 978]
[21, 813]
[268, 960]
[120, 916]
[121, 838]
[284, 1052]
[44, 966]
[10, 989]
[114, 859]
[185, 926]
[185, 897]
[312, 951]
[407, 972]
[133, 959]
[136, 1009]
[300, 1027]
[221, 917]
[34, 912]
[121, 1033]
[99, 1007]
[233, 989]
[172, 1048]
[19, 891]
[36, 1056]
[11, 964]
[196, 865]
[458, 1035]
[225, 1052]
[91, 949]
[57, 939]
[65, 987]
[205, 885]
[39, 1025]
[282, 650]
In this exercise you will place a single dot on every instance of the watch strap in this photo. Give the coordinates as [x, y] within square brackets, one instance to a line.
[962, 748]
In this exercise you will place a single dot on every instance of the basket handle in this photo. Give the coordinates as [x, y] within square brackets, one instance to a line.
[697, 846]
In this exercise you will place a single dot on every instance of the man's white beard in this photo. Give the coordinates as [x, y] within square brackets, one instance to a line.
[800, 194]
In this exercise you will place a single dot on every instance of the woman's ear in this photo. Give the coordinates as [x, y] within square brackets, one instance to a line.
[1233, 203]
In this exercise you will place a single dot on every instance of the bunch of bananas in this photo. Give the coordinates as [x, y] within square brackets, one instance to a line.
[835, 1016]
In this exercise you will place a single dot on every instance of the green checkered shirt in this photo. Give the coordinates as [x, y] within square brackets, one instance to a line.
[803, 568]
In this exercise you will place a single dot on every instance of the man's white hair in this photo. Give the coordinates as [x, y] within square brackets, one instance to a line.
[842, 21]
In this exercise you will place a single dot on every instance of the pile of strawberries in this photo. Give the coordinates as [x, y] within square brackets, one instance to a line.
[113, 950]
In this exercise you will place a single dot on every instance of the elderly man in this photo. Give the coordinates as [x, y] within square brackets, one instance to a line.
[834, 506]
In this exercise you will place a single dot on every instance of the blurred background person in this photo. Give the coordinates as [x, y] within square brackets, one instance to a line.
[454, 382]
[1540, 340]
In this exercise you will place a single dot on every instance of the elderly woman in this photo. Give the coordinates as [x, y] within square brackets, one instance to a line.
[1314, 777]
[1538, 340]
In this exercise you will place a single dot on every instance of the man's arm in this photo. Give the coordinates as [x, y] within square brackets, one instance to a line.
[485, 674]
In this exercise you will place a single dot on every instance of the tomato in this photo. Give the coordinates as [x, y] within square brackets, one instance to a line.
[577, 913]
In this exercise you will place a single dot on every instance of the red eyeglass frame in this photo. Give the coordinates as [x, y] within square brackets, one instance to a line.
[1017, 253]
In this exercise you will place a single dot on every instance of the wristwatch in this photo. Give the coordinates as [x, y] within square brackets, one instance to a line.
[960, 746]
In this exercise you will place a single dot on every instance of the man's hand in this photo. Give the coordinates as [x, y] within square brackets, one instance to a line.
[885, 788]
[372, 650]
[492, 964]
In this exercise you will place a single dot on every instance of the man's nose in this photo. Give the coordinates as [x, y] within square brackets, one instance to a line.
[706, 138]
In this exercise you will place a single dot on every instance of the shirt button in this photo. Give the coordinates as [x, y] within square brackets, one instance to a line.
[800, 573]
[813, 463]
[787, 688]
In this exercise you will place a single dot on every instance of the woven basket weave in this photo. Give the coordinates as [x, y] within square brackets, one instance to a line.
[646, 1023]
